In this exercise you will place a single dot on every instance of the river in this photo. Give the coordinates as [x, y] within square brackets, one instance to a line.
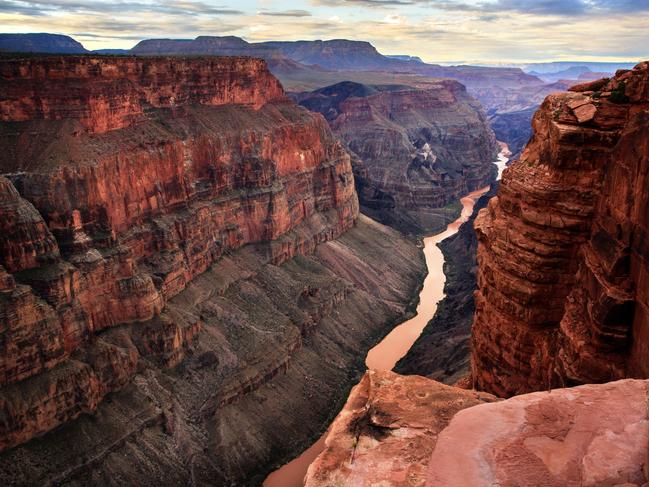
[396, 344]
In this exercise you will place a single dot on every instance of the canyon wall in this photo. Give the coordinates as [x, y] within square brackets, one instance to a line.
[563, 256]
[414, 151]
[168, 264]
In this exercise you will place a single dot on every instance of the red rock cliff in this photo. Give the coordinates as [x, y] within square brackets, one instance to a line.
[414, 150]
[126, 178]
[110, 93]
[564, 254]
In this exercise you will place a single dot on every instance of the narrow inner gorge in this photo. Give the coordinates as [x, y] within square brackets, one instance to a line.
[385, 354]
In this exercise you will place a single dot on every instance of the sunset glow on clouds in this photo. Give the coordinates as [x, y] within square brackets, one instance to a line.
[437, 30]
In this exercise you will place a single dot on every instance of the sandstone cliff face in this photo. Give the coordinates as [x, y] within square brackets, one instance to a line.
[126, 179]
[405, 431]
[414, 151]
[563, 259]
[112, 93]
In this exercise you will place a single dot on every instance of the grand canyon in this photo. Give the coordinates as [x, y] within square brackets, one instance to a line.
[256, 260]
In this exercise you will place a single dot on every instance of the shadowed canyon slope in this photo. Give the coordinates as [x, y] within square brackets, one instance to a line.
[185, 282]
[414, 151]
[563, 256]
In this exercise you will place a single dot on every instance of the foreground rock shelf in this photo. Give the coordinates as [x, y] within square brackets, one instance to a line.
[409, 430]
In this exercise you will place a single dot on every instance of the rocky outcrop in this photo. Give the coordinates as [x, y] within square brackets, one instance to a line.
[387, 431]
[414, 151]
[562, 258]
[591, 435]
[404, 431]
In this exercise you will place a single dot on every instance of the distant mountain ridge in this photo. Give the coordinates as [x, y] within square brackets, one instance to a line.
[556, 66]
[295, 58]
[43, 43]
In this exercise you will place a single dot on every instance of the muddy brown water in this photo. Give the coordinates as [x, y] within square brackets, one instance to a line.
[396, 344]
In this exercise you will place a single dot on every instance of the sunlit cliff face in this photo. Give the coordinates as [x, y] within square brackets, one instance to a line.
[436, 30]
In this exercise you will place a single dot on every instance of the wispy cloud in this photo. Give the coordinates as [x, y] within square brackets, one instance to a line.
[285, 13]
[186, 7]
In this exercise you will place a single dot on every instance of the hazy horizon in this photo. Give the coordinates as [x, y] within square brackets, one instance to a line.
[446, 31]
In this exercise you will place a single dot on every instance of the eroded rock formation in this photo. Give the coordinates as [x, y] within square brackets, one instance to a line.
[414, 151]
[387, 431]
[563, 255]
[167, 242]
[408, 430]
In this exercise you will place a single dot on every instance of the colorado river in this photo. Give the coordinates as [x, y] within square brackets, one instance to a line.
[388, 351]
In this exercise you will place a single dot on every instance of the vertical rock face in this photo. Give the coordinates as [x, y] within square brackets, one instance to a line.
[414, 150]
[125, 180]
[109, 94]
[563, 256]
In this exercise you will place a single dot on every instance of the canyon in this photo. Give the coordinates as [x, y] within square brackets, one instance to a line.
[164, 222]
[194, 267]
[561, 301]
[385, 354]
[414, 152]
[510, 96]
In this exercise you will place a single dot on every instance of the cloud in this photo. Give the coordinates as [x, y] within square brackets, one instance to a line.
[622, 6]
[544, 7]
[182, 7]
[363, 3]
[531, 7]
[285, 13]
[436, 30]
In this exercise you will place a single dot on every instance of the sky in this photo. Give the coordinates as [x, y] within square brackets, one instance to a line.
[448, 31]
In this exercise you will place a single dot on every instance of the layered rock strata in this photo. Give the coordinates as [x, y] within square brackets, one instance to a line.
[414, 151]
[278, 349]
[563, 256]
[156, 213]
[405, 431]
